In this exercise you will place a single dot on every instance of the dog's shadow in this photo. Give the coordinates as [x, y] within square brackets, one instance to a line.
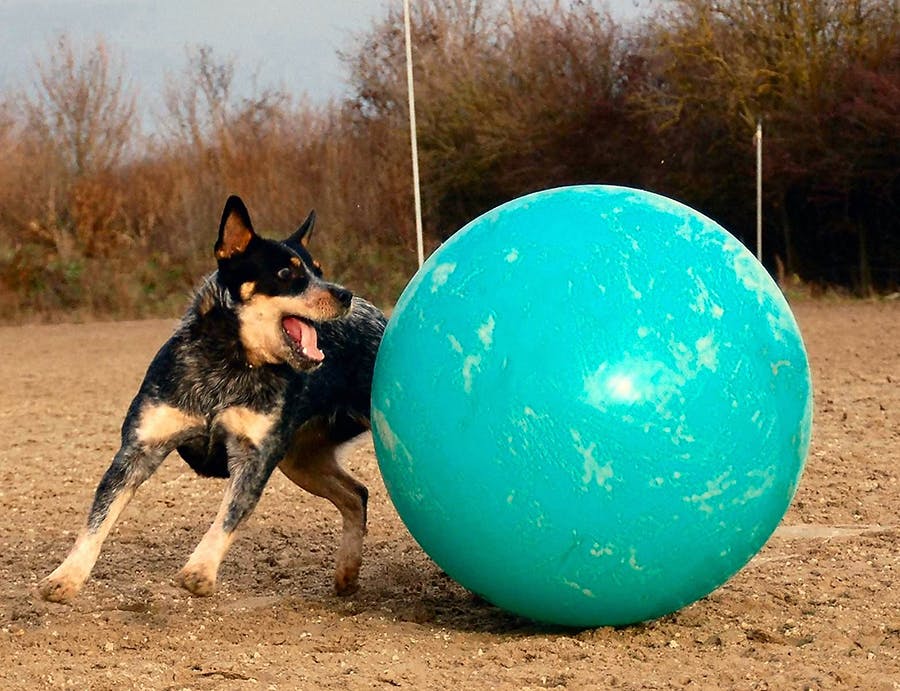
[410, 588]
[280, 567]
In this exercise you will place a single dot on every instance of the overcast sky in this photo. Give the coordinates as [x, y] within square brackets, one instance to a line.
[288, 43]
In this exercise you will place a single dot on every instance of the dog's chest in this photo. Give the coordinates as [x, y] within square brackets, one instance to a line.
[208, 388]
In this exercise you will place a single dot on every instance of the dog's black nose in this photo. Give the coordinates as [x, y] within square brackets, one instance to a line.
[343, 295]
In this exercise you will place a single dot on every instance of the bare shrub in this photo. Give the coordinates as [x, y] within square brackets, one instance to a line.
[83, 107]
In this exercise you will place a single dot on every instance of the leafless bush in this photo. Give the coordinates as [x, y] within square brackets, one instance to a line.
[83, 107]
[512, 97]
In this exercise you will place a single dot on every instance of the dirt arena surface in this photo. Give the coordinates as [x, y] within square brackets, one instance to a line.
[818, 608]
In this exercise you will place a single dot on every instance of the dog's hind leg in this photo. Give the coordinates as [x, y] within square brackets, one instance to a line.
[311, 462]
[149, 433]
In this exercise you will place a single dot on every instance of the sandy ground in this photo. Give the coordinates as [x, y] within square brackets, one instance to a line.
[817, 608]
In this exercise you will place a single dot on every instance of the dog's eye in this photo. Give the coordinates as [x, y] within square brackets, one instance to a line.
[284, 274]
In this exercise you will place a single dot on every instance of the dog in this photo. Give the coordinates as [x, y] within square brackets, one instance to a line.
[271, 366]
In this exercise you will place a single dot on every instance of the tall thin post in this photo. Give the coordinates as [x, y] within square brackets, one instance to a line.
[420, 245]
[759, 142]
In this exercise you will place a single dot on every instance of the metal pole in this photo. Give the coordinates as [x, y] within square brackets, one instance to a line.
[759, 139]
[420, 245]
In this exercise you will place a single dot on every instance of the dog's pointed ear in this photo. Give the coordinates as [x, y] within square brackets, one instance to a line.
[235, 229]
[300, 237]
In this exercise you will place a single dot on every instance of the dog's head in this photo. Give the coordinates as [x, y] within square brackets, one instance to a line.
[278, 297]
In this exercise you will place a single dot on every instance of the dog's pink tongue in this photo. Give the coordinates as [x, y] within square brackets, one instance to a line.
[305, 335]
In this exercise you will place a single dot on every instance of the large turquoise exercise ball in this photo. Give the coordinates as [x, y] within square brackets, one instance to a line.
[592, 406]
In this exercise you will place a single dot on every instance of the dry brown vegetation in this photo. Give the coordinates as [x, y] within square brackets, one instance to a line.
[99, 219]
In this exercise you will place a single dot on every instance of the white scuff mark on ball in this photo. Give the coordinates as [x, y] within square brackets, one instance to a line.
[748, 271]
[524, 423]
[643, 332]
[599, 550]
[470, 363]
[632, 560]
[762, 480]
[441, 274]
[714, 488]
[707, 353]
[776, 366]
[664, 407]
[685, 231]
[690, 361]
[594, 387]
[635, 293]
[387, 435]
[683, 359]
[780, 323]
[703, 301]
[593, 471]
[584, 591]
[681, 434]
[512, 256]
[486, 332]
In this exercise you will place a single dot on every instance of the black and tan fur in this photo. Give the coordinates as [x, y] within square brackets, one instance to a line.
[240, 388]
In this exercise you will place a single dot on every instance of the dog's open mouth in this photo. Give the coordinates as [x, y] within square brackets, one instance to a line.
[303, 339]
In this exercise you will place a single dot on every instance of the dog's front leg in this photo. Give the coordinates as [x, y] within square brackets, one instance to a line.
[149, 433]
[253, 454]
[112, 496]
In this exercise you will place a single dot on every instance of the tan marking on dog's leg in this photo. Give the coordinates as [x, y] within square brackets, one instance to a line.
[248, 424]
[201, 570]
[159, 423]
[65, 582]
[312, 463]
